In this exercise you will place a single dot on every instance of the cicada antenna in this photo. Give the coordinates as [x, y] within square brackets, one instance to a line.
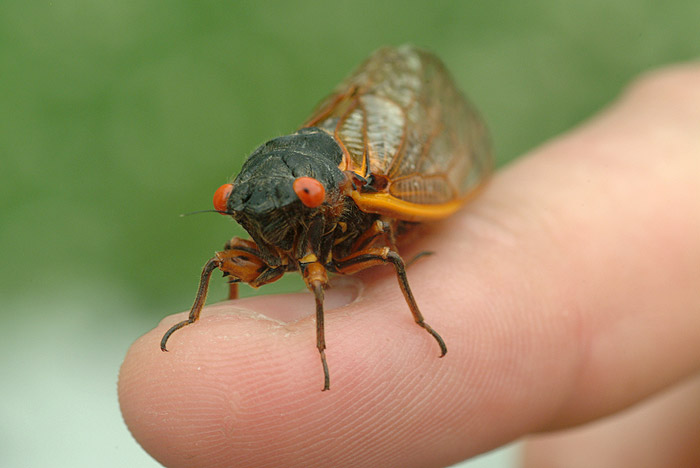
[182, 215]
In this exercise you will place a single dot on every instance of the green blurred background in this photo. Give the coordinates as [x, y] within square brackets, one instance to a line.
[118, 116]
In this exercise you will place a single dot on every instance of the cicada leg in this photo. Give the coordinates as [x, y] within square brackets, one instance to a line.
[244, 245]
[379, 232]
[382, 255]
[209, 267]
[242, 263]
[383, 232]
[418, 256]
[316, 279]
[233, 290]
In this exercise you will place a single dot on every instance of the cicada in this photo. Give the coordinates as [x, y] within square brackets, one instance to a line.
[395, 144]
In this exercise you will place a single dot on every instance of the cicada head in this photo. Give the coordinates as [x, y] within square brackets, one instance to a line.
[286, 186]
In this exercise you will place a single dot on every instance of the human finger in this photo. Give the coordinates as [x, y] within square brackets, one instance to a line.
[566, 292]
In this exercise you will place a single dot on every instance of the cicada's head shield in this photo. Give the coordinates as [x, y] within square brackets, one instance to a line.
[286, 189]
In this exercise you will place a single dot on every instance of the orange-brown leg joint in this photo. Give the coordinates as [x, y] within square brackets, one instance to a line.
[237, 243]
[240, 264]
[315, 273]
[241, 261]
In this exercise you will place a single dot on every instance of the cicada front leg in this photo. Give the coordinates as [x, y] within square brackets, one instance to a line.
[241, 261]
[381, 255]
[316, 279]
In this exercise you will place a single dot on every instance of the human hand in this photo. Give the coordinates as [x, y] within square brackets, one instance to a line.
[568, 291]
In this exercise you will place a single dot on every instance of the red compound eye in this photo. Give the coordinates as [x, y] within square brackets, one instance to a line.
[221, 196]
[310, 191]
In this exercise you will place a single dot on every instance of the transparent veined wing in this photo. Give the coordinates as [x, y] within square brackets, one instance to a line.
[400, 118]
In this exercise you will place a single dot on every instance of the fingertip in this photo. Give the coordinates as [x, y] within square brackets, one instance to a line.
[185, 403]
[238, 388]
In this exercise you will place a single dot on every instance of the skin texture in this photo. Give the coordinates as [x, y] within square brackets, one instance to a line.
[567, 292]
